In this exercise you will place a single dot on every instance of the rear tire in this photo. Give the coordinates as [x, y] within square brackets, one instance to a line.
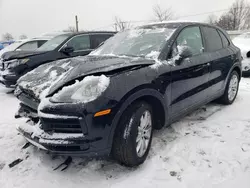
[231, 90]
[130, 134]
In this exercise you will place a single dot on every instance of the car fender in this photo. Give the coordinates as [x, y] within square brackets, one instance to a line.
[131, 99]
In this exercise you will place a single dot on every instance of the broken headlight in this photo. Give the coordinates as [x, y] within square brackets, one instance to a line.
[87, 90]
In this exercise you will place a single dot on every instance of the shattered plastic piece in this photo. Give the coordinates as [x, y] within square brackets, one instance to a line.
[15, 162]
[65, 164]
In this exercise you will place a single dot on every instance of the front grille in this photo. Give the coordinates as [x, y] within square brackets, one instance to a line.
[61, 125]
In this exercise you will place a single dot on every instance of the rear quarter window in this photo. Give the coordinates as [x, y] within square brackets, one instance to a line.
[224, 39]
[212, 39]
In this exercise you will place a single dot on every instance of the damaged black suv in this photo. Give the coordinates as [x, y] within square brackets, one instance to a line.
[109, 102]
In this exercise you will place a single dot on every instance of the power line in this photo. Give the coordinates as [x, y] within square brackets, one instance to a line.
[190, 15]
[204, 13]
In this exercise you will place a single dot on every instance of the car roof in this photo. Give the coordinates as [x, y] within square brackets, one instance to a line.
[176, 24]
[30, 39]
[93, 32]
[40, 38]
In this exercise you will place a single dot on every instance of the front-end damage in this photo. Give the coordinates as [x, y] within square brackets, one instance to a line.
[61, 128]
[60, 113]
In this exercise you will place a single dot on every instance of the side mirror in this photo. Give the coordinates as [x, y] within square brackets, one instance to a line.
[184, 52]
[67, 50]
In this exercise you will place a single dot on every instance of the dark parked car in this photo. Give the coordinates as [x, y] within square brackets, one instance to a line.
[18, 63]
[137, 81]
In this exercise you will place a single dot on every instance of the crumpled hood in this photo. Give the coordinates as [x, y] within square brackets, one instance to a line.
[48, 78]
[19, 54]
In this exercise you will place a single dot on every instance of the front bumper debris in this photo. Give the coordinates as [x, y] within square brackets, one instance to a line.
[73, 144]
[61, 135]
[63, 129]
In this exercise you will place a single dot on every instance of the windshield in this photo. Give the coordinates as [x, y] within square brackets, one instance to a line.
[141, 42]
[53, 43]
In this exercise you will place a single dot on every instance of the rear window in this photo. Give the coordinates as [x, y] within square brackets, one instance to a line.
[213, 39]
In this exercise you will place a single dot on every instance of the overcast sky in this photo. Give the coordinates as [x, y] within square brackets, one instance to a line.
[34, 17]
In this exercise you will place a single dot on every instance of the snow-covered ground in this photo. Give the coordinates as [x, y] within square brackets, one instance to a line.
[209, 148]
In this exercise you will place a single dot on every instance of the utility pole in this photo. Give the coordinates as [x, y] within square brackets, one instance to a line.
[76, 23]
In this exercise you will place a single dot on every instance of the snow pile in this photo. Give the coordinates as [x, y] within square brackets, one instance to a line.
[87, 90]
[153, 55]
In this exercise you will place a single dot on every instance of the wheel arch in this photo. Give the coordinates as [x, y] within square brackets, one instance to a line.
[238, 70]
[236, 67]
[149, 95]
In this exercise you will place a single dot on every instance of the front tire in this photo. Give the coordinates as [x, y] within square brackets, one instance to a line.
[231, 90]
[133, 136]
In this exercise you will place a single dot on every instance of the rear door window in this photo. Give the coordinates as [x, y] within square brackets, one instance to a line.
[212, 38]
[80, 43]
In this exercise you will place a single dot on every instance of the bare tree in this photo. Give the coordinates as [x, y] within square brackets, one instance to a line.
[7, 37]
[70, 29]
[121, 25]
[162, 14]
[237, 18]
[23, 37]
[212, 19]
[240, 12]
[225, 22]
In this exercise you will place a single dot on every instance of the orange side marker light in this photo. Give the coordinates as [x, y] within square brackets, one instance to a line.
[102, 113]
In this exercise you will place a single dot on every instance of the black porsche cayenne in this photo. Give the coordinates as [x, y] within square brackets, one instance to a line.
[109, 102]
